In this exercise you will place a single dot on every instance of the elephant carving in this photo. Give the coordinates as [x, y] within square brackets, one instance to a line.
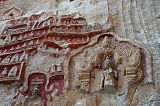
[108, 64]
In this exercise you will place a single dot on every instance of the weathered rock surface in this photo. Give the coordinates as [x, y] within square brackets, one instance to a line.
[80, 52]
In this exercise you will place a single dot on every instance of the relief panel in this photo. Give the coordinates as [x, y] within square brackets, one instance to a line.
[83, 57]
[109, 64]
[12, 72]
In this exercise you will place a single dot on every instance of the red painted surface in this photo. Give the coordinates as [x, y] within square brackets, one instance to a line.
[29, 33]
[47, 86]
[6, 79]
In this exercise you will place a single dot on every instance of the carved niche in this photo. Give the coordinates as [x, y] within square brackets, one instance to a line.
[108, 64]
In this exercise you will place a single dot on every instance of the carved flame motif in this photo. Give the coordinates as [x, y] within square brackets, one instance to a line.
[11, 13]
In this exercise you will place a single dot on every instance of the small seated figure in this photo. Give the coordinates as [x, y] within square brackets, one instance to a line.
[59, 67]
[31, 43]
[20, 37]
[35, 91]
[14, 58]
[31, 34]
[1, 42]
[108, 75]
[7, 39]
[4, 72]
[13, 39]
[24, 56]
[13, 71]
[7, 59]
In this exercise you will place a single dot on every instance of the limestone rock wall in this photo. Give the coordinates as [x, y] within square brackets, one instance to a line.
[79, 52]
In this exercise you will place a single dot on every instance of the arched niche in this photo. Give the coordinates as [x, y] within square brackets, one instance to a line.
[130, 62]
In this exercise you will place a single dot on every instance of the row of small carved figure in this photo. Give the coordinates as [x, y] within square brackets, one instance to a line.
[10, 32]
[32, 24]
[41, 25]
[20, 46]
[27, 22]
[77, 21]
[11, 71]
[29, 34]
[15, 29]
[15, 57]
[73, 40]
[76, 29]
[47, 22]
[56, 28]
[52, 21]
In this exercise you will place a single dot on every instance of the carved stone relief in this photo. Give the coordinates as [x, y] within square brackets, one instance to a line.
[11, 13]
[108, 64]
[10, 73]
[21, 40]
[81, 56]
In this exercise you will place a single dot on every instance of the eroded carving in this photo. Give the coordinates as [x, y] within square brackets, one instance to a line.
[108, 64]
[12, 72]
[11, 13]
[45, 85]
[51, 35]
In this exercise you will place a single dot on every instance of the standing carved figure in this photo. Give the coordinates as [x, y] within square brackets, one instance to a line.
[108, 75]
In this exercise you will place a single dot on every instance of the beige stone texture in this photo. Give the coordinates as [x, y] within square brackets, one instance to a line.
[115, 65]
